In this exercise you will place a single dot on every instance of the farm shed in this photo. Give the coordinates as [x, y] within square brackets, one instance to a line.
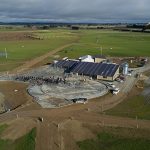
[102, 71]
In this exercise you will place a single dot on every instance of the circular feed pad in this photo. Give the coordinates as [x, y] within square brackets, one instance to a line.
[53, 96]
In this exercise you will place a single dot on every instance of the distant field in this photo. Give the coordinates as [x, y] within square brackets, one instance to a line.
[22, 50]
[113, 43]
[118, 139]
[132, 107]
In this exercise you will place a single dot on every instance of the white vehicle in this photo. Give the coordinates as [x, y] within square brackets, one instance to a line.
[115, 91]
[111, 85]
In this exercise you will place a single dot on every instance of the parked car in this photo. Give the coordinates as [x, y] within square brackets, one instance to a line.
[129, 74]
[116, 91]
[80, 100]
[111, 85]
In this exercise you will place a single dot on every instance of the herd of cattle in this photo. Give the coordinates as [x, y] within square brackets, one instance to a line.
[41, 80]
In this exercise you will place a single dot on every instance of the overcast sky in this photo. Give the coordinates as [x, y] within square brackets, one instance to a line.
[75, 10]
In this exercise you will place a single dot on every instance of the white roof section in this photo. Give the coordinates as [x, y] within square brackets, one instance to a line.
[86, 58]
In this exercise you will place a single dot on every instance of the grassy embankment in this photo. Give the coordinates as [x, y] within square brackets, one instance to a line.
[137, 106]
[133, 107]
[27, 142]
[118, 139]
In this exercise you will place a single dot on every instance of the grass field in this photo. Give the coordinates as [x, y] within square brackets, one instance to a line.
[21, 51]
[26, 142]
[2, 128]
[113, 43]
[132, 107]
[118, 139]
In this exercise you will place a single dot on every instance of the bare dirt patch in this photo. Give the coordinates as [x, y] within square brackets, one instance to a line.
[15, 94]
[17, 36]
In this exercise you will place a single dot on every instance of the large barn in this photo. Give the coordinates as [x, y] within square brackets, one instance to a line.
[102, 71]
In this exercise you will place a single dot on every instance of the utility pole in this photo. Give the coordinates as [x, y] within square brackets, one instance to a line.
[101, 50]
[6, 53]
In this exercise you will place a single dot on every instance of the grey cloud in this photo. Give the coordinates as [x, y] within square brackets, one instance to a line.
[74, 10]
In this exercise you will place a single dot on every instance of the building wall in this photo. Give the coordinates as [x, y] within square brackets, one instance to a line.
[116, 74]
[109, 78]
[98, 60]
[104, 78]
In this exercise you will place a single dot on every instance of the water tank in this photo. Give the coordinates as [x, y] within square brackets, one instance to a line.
[125, 68]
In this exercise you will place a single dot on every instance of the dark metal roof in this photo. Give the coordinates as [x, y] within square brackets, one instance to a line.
[89, 68]
[66, 64]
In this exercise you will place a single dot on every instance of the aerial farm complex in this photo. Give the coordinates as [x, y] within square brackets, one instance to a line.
[60, 91]
[67, 81]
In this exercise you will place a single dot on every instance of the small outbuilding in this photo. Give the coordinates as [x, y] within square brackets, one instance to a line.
[99, 58]
[86, 58]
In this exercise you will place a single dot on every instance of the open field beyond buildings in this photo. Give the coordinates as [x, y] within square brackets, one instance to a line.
[23, 46]
[113, 43]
